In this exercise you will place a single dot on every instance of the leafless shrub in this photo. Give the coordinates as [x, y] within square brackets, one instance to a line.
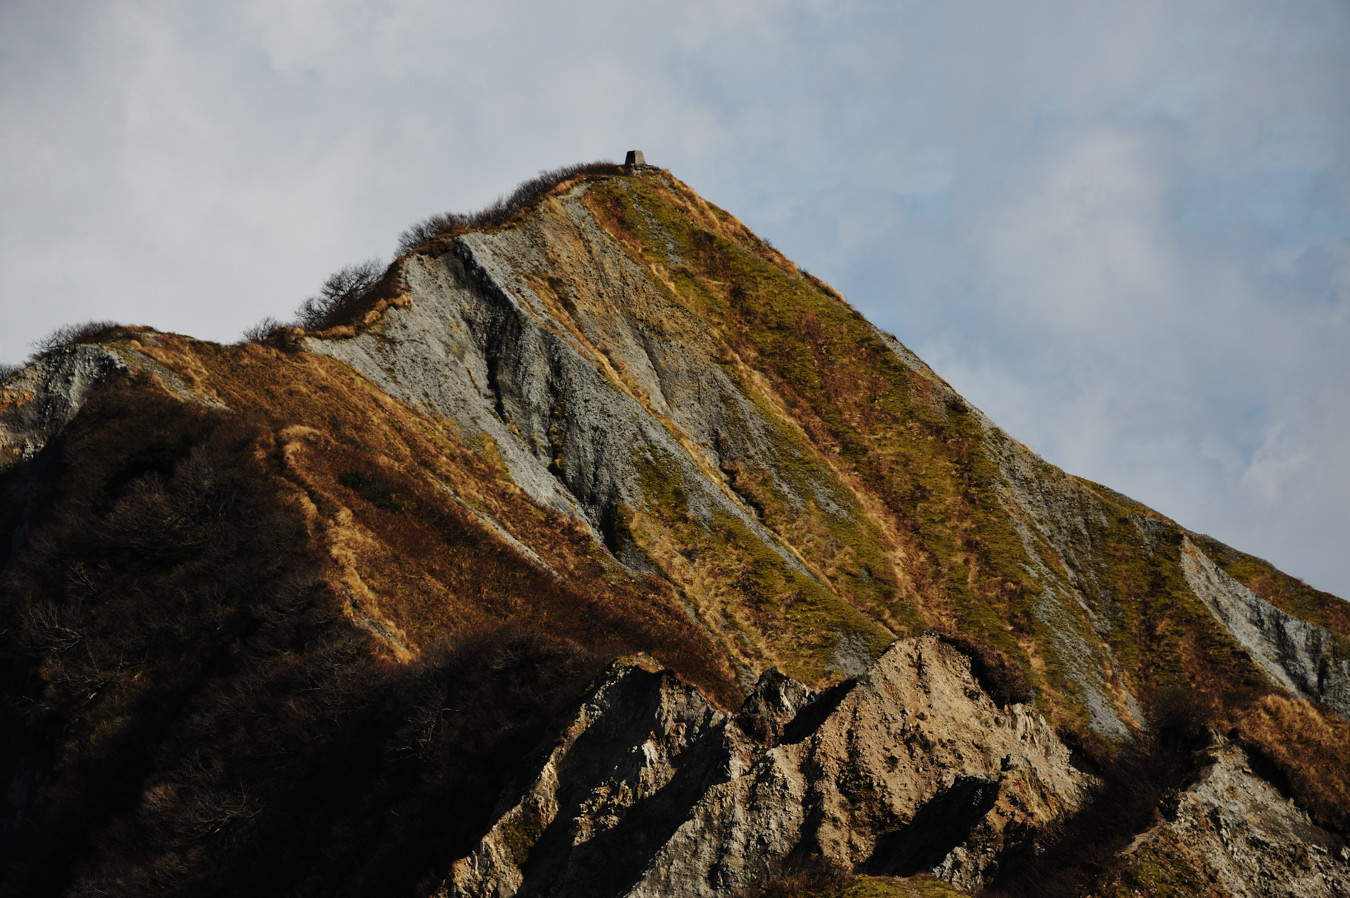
[72, 334]
[353, 288]
[263, 331]
[503, 210]
[431, 227]
[345, 291]
[8, 370]
[44, 630]
[1303, 749]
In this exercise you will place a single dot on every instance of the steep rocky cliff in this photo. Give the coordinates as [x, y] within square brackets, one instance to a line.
[359, 592]
[653, 792]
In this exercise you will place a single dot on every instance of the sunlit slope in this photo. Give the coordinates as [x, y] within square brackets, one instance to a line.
[809, 487]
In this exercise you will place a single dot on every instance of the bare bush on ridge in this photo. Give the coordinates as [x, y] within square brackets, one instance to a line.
[74, 334]
[343, 293]
[448, 224]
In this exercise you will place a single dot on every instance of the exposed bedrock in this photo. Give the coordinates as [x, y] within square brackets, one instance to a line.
[1233, 833]
[1302, 658]
[910, 768]
[479, 346]
[38, 402]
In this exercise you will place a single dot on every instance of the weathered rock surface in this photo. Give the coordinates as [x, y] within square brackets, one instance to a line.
[653, 792]
[1055, 518]
[1235, 834]
[1295, 654]
[39, 401]
[590, 389]
[478, 345]
[770, 471]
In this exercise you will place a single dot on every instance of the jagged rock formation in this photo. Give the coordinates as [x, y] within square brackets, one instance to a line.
[653, 792]
[1234, 833]
[615, 425]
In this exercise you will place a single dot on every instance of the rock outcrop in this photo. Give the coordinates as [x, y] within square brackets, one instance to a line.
[478, 344]
[1306, 660]
[1233, 833]
[652, 792]
[39, 401]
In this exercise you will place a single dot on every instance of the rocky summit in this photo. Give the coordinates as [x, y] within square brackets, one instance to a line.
[592, 548]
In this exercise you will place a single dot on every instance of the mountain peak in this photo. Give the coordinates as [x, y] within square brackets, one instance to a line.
[601, 420]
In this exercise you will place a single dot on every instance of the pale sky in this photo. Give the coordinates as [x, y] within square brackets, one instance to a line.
[1122, 229]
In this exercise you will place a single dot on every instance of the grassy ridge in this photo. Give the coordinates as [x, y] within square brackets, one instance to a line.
[922, 540]
[927, 537]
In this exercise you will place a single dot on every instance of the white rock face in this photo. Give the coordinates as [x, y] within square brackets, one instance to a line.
[1294, 654]
[653, 792]
[38, 402]
[478, 346]
[1054, 518]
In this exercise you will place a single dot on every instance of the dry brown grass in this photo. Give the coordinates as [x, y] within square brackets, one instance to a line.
[1309, 751]
[228, 625]
[432, 564]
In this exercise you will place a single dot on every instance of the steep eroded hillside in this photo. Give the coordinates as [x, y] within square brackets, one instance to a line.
[342, 593]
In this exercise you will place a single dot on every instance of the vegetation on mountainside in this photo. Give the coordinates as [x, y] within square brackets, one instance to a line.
[821, 880]
[349, 294]
[435, 230]
[1302, 749]
[851, 413]
[777, 611]
[929, 492]
[231, 625]
[345, 295]
[926, 515]
[1281, 590]
[281, 645]
[860, 414]
[87, 332]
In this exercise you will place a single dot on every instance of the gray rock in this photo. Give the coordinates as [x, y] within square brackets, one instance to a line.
[910, 769]
[479, 347]
[610, 410]
[1295, 654]
[1242, 835]
[39, 401]
[1054, 517]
